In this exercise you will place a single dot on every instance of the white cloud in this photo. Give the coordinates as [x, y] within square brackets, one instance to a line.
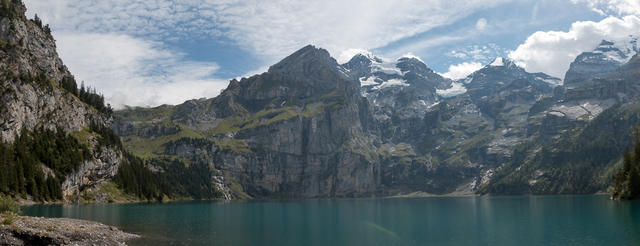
[481, 24]
[271, 29]
[424, 44]
[478, 53]
[462, 70]
[137, 72]
[118, 45]
[619, 7]
[552, 52]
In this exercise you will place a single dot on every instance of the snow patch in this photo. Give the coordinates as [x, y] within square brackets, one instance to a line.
[364, 81]
[498, 62]
[594, 109]
[552, 81]
[572, 112]
[385, 67]
[347, 55]
[555, 113]
[456, 89]
[391, 83]
[614, 55]
[411, 56]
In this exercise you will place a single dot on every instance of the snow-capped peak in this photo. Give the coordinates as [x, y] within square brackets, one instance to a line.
[410, 56]
[620, 51]
[498, 62]
[349, 54]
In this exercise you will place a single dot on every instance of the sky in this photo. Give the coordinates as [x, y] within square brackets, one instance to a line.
[154, 52]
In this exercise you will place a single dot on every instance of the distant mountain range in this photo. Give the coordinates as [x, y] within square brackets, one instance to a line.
[310, 127]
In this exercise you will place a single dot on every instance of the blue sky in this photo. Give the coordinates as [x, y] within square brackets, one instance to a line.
[147, 53]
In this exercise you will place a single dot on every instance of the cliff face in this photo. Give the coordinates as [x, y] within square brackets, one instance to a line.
[284, 132]
[33, 100]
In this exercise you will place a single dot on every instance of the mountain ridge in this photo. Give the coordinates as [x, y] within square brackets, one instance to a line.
[404, 130]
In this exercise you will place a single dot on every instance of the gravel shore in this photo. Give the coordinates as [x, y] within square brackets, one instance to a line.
[24, 230]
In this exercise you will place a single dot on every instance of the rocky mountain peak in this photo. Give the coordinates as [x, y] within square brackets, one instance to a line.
[607, 57]
[499, 69]
[364, 58]
[304, 61]
[414, 64]
[504, 63]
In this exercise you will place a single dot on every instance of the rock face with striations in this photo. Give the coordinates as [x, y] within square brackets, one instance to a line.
[284, 132]
[296, 120]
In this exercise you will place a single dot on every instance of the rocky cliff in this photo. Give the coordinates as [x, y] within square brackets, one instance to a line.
[578, 135]
[33, 100]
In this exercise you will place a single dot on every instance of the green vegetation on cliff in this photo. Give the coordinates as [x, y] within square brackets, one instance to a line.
[579, 161]
[187, 180]
[627, 180]
[37, 162]
[135, 178]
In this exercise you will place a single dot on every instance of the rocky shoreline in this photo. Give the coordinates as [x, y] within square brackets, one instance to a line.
[25, 230]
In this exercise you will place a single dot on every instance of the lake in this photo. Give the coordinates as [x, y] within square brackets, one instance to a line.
[507, 220]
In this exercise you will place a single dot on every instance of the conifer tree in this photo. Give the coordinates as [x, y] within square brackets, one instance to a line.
[627, 180]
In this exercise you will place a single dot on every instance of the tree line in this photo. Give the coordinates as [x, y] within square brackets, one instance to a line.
[135, 178]
[22, 163]
[37, 162]
[86, 94]
[627, 179]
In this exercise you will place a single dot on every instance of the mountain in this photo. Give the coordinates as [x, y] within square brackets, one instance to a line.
[56, 144]
[310, 127]
[405, 87]
[286, 132]
[604, 59]
[37, 110]
[578, 136]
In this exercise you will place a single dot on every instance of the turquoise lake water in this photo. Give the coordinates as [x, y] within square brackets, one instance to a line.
[509, 220]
